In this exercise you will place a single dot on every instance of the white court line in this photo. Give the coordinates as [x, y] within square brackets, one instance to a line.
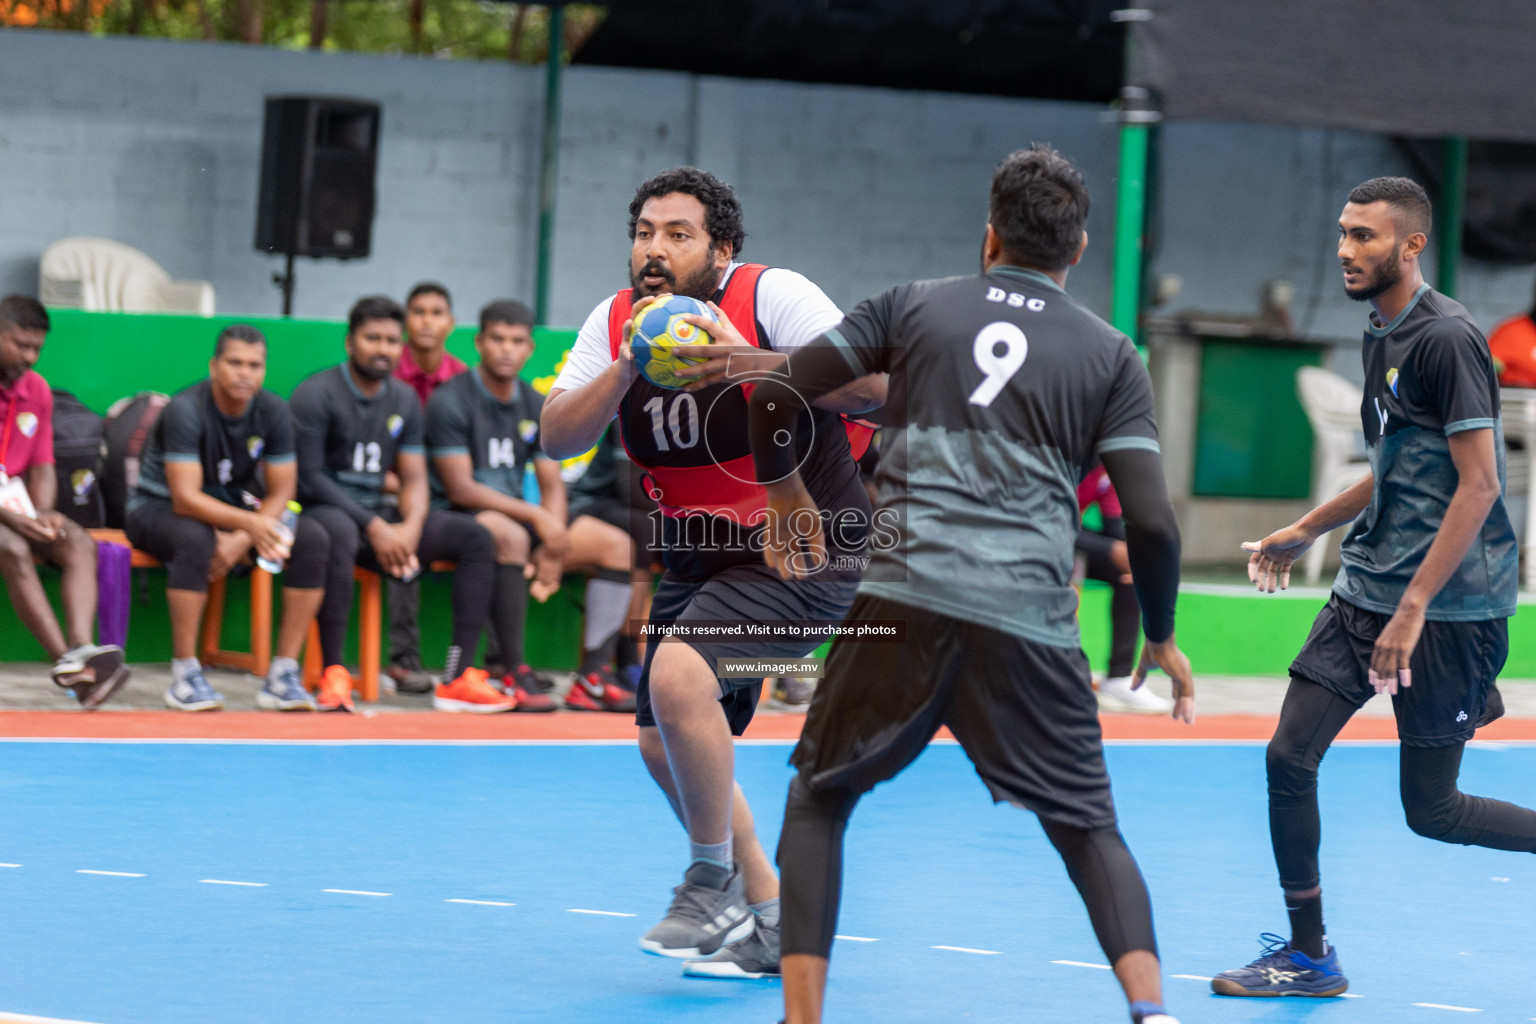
[1193, 977]
[483, 903]
[114, 874]
[222, 881]
[1081, 963]
[358, 892]
[599, 913]
[854, 938]
[26, 1018]
[1443, 1006]
[10, 865]
[967, 949]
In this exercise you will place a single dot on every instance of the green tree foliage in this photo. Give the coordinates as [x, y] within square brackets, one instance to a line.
[469, 29]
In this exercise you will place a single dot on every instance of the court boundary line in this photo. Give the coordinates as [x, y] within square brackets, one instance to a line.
[943, 741]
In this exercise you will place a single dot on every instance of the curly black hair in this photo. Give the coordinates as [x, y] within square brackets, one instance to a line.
[722, 210]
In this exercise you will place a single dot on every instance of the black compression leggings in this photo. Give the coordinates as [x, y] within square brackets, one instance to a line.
[811, 865]
[186, 546]
[1124, 610]
[446, 536]
[1310, 719]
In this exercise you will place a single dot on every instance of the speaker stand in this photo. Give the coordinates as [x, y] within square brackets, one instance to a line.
[285, 282]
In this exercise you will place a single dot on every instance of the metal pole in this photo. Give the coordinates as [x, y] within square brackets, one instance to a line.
[1453, 203]
[1136, 118]
[549, 164]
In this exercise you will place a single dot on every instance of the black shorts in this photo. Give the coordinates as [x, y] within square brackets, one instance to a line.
[1024, 712]
[1453, 666]
[743, 593]
[633, 521]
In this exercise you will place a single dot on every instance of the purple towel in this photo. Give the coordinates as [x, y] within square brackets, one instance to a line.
[114, 590]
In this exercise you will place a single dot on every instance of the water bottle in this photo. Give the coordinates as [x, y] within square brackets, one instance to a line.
[287, 521]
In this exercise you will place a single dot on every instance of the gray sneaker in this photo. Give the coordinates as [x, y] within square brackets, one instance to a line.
[284, 691]
[192, 693]
[756, 956]
[701, 919]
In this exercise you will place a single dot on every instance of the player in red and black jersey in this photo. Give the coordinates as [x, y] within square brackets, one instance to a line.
[686, 233]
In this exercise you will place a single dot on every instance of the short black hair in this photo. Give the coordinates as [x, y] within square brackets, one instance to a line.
[23, 311]
[1038, 207]
[722, 210]
[506, 311]
[238, 332]
[374, 307]
[429, 288]
[1409, 202]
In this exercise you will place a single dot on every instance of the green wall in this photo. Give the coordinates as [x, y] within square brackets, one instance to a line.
[100, 357]
[1252, 438]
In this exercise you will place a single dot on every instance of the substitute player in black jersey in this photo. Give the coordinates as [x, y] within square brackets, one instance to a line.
[1003, 391]
[482, 436]
[354, 423]
[216, 475]
[686, 232]
[1421, 605]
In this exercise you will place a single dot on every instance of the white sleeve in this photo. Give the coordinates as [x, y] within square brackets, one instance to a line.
[589, 356]
[794, 312]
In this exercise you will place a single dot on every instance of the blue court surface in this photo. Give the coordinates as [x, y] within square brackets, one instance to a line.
[496, 883]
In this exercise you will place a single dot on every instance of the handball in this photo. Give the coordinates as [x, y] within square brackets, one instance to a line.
[661, 337]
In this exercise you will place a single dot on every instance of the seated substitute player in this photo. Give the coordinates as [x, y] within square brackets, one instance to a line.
[352, 424]
[482, 433]
[686, 231]
[1105, 552]
[612, 529]
[217, 473]
[30, 526]
[425, 364]
[1421, 604]
[985, 437]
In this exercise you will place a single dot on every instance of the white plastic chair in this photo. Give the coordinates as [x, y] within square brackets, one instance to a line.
[1332, 405]
[100, 275]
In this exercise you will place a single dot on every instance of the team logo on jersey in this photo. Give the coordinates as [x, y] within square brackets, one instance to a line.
[574, 469]
[1392, 381]
[81, 481]
[394, 424]
[255, 446]
[27, 421]
[529, 429]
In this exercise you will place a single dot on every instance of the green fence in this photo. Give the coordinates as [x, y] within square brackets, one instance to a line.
[101, 357]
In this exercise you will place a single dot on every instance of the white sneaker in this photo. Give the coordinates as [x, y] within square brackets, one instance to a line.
[1116, 695]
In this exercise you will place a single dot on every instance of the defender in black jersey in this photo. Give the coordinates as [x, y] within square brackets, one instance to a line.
[482, 436]
[686, 232]
[1421, 605]
[354, 423]
[215, 478]
[1003, 392]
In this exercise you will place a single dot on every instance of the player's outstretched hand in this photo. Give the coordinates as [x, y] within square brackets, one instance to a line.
[1270, 559]
[730, 356]
[793, 545]
[1170, 659]
[1394, 649]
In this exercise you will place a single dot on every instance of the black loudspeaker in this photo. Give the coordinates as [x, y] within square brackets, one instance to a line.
[318, 160]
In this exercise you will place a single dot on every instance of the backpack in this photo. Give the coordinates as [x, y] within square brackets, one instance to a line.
[129, 422]
[79, 448]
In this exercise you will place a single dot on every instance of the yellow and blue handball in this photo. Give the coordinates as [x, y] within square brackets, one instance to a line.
[661, 335]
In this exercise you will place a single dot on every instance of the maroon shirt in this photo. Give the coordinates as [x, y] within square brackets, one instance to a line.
[423, 382]
[26, 424]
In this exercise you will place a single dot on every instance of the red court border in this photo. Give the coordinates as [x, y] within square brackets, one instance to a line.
[574, 726]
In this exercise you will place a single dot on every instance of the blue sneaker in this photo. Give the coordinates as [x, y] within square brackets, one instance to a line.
[192, 693]
[1283, 971]
[284, 691]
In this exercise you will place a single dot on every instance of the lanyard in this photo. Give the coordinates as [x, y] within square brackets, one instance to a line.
[5, 440]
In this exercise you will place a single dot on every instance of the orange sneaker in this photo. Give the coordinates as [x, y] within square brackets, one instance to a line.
[473, 693]
[335, 689]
